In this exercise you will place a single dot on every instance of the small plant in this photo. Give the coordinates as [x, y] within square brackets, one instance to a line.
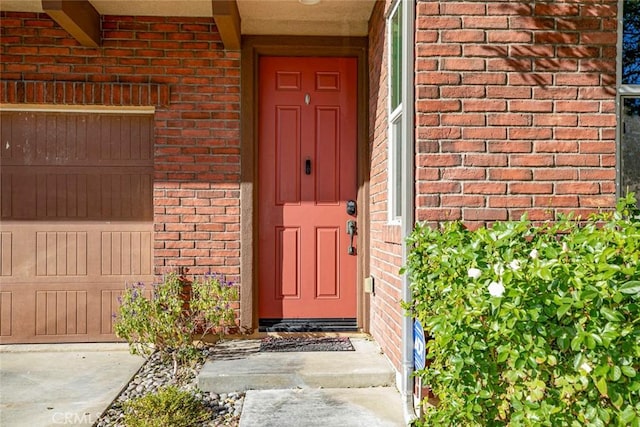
[169, 406]
[168, 316]
[531, 325]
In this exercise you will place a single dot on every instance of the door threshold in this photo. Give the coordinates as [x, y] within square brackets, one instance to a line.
[309, 325]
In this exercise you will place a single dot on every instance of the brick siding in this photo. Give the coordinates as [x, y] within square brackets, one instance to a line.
[386, 252]
[177, 65]
[515, 109]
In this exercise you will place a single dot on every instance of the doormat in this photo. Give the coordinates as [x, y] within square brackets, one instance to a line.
[305, 344]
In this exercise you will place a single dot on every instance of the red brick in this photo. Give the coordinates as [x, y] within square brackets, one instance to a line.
[510, 174]
[530, 106]
[462, 92]
[577, 106]
[555, 146]
[466, 119]
[554, 37]
[463, 64]
[510, 36]
[462, 201]
[440, 22]
[510, 201]
[530, 188]
[507, 92]
[594, 201]
[530, 133]
[599, 147]
[510, 64]
[561, 10]
[580, 133]
[577, 79]
[484, 78]
[532, 160]
[485, 188]
[462, 146]
[555, 174]
[495, 160]
[462, 36]
[555, 201]
[484, 105]
[484, 214]
[438, 78]
[510, 147]
[555, 120]
[485, 22]
[509, 119]
[577, 160]
[530, 79]
[531, 51]
[577, 188]
[464, 174]
[484, 133]
[598, 38]
[595, 174]
[438, 214]
[463, 8]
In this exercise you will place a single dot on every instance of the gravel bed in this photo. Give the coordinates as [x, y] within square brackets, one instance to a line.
[154, 374]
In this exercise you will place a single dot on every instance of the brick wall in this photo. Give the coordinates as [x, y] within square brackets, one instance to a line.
[515, 109]
[176, 64]
[385, 239]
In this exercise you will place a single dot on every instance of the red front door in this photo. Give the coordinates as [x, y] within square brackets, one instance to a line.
[307, 174]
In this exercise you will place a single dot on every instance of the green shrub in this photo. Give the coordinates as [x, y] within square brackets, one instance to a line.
[531, 325]
[167, 407]
[167, 317]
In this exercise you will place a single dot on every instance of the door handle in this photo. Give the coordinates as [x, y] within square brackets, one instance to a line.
[307, 167]
[351, 231]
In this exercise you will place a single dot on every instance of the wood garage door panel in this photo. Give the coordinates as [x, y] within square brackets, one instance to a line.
[76, 207]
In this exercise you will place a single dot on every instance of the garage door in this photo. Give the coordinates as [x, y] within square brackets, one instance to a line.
[76, 221]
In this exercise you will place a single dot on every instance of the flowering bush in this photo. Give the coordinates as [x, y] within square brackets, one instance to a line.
[168, 316]
[531, 325]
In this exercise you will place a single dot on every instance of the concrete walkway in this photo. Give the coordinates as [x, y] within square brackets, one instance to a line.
[61, 384]
[307, 389]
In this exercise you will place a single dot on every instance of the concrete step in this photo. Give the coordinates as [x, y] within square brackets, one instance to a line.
[380, 407]
[239, 366]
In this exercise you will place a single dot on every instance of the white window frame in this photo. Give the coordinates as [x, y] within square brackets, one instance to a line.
[623, 91]
[395, 121]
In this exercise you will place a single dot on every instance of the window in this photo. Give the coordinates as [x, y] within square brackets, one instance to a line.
[396, 110]
[629, 102]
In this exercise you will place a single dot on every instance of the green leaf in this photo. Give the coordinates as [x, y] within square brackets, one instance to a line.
[628, 371]
[630, 288]
[627, 415]
[611, 315]
[562, 310]
[601, 385]
[545, 274]
[576, 342]
[484, 394]
[615, 373]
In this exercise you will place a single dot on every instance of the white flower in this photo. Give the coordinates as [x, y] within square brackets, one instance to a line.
[514, 265]
[499, 269]
[474, 273]
[496, 289]
[586, 367]
[533, 254]
[565, 247]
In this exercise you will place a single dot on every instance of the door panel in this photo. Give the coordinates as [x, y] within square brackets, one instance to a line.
[307, 173]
